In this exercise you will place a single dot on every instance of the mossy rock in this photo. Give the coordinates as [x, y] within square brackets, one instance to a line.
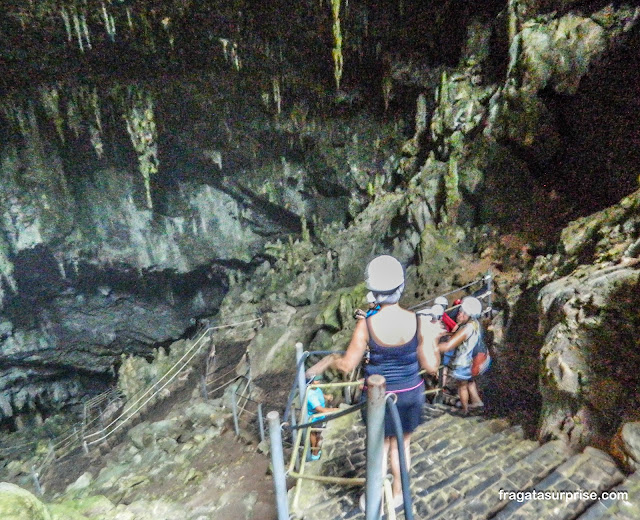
[19, 504]
[341, 306]
[65, 512]
[90, 507]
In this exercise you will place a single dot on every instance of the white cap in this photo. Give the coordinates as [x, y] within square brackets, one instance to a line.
[471, 306]
[371, 298]
[437, 311]
[434, 312]
[442, 300]
[384, 274]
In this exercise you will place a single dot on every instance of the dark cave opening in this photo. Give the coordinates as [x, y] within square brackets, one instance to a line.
[600, 133]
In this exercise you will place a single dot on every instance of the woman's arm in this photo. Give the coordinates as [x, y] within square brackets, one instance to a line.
[352, 356]
[428, 354]
[456, 340]
[324, 409]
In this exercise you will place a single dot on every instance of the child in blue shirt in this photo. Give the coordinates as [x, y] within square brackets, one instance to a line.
[316, 403]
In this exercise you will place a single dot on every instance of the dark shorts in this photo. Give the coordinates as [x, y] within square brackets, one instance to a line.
[410, 405]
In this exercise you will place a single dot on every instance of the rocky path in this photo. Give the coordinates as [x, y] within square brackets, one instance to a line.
[460, 466]
[180, 461]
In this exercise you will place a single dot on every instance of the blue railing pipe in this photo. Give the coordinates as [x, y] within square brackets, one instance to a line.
[404, 470]
[277, 463]
[376, 386]
[302, 382]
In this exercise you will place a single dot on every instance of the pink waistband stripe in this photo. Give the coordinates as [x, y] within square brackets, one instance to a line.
[401, 390]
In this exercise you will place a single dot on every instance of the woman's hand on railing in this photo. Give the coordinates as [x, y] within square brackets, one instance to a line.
[321, 366]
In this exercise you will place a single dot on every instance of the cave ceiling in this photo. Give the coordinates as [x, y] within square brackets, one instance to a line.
[49, 40]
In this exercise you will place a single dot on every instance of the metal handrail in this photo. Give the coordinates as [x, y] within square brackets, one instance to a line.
[301, 448]
[71, 441]
[233, 369]
[119, 422]
[485, 279]
[149, 389]
[117, 425]
[404, 470]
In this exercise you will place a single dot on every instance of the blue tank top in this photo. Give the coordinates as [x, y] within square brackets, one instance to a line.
[398, 363]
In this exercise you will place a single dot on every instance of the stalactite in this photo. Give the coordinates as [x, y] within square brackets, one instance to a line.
[14, 114]
[337, 40]
[452, 190]
[96, 141]
[421, 114]
[512, 20]
[166, 24]
[235, 57]
[95, 105]
[76, 26]
[142, 131]
[85, 29]
[112, 27]
[148, 31]
[74, 120]
[51, 104]
[6, 270]
[276, 94]
[67, 23]
[107, 22]
[129, 18]
[387, 85]
[225, 44]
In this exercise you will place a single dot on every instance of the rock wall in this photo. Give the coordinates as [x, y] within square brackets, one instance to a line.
[127, 209]
[590, 327]
[481, 156]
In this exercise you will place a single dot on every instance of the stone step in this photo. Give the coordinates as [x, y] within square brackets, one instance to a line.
[460, 465]
[432, 443]
[425, 504]
[346, 450]
[432, 411]
[337, 501]
[452, 422]
[483, 500]
[591, 470]
[448, 435]
[620, 508]
[449, 457]
[439, 489]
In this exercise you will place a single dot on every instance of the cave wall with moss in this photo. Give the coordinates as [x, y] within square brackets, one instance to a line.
[156, 153]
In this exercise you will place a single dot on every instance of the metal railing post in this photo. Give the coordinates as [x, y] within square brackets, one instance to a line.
[490, 289]
[277, 463]
[260, 422]
[203, 388]
[376, 386]
[302, 382]
[234, 408]
[439, 398]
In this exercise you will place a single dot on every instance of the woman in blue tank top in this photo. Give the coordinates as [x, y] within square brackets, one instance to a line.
[399, 344]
